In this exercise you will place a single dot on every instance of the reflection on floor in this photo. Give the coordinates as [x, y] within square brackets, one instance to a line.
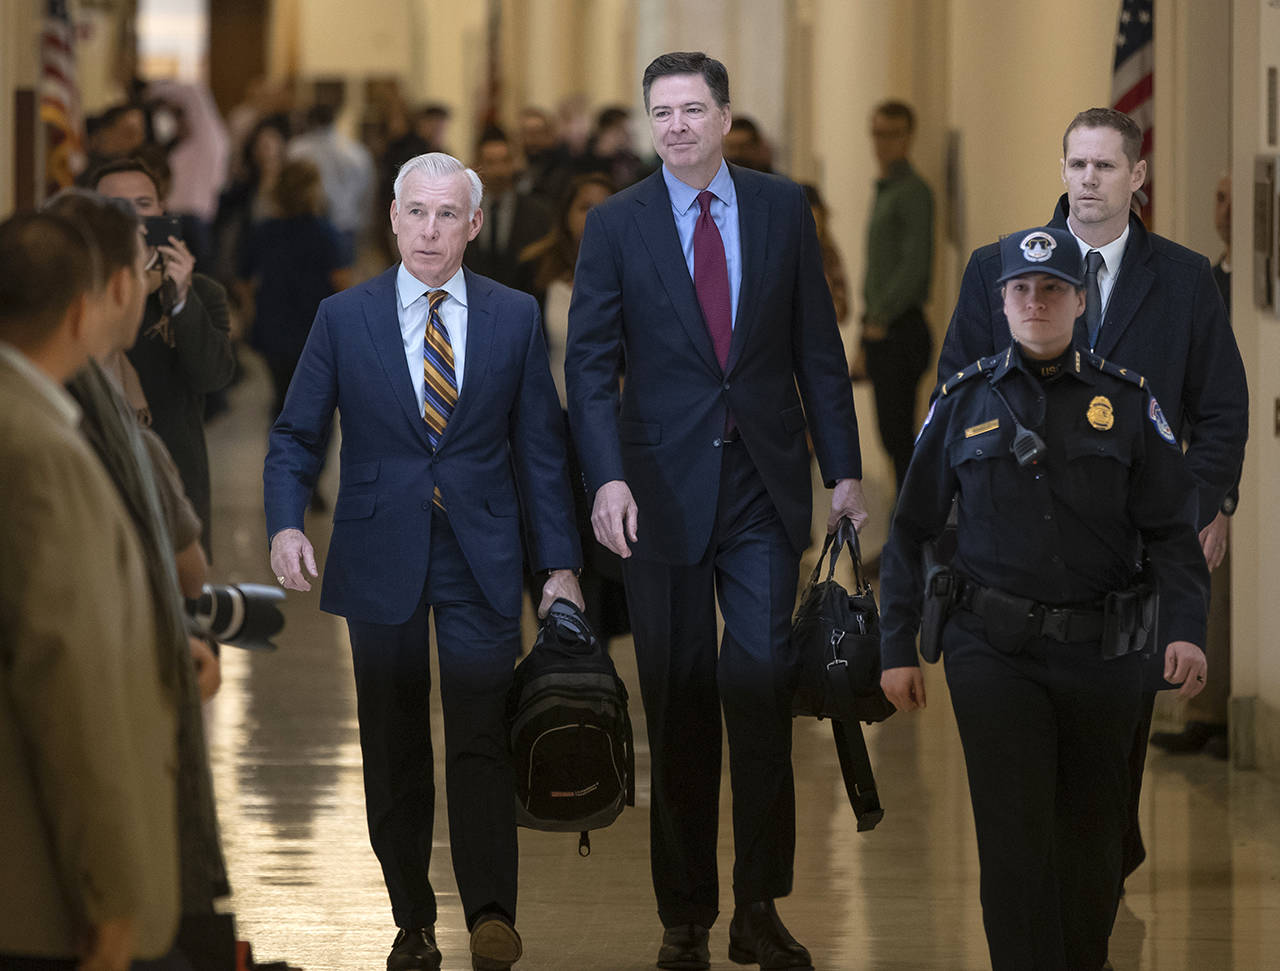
[307, 887]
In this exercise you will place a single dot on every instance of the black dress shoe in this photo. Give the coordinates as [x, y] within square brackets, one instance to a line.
[414, 950]
[757, 936]
[495, 945]
[1193, 738]
[685, 948]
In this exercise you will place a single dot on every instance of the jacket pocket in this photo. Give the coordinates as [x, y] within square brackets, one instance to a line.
[639, 432]
[793, 418]
[502, 504]
[354, 507]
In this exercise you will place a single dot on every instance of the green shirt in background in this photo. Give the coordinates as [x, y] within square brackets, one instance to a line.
[899, 246]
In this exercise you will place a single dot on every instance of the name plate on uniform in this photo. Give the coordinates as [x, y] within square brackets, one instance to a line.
[986, 426]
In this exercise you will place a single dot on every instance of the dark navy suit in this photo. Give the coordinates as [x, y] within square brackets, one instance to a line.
[393, 558]
[716, 520]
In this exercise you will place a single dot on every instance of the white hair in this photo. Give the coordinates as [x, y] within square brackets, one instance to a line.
[436, 165]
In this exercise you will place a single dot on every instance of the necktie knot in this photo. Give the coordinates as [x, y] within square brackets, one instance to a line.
[1092, 261]
[704, 201]
[435, 298]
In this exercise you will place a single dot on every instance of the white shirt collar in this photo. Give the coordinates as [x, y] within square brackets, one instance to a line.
[63, 405]
[1112, 252]
[409, 288]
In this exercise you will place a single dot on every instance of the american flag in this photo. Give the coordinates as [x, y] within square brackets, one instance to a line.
[59, 98]
[1132, 77]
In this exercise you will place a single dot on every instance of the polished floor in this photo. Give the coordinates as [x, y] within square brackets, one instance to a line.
[308, 889]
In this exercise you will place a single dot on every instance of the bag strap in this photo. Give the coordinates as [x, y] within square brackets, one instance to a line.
[839, 681]
[855, 767]
[844, 536]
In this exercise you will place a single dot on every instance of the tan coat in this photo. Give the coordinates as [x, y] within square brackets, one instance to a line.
[87, 735]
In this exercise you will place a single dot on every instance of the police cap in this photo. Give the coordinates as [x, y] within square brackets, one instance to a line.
[1045, 249]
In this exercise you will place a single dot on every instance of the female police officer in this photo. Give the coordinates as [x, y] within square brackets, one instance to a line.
[1065, 474]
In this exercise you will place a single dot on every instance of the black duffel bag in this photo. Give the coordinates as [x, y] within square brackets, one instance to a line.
[835, 642]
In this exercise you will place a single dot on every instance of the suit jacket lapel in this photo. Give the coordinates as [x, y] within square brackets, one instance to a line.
[384, 331]
[658, 230]
[480, 328]
[753, 233]
[1133, 283]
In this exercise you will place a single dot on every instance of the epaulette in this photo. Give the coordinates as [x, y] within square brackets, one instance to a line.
[974, 369]
[1115, 370]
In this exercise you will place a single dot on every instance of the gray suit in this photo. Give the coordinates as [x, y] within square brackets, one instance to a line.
[87, 733]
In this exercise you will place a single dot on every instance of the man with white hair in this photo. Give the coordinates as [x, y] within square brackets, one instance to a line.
[452, 431]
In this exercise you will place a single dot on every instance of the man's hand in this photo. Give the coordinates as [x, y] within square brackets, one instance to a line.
[290, 551]
[847, 500]
[904, 687]
[179, 264]
[614, 517]
[208, 667]
[1184, 664]
[1213, 540]
[561, 584]
[110, 946]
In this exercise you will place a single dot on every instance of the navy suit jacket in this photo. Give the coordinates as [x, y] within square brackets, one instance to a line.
[633, 294]
[502, 453]
[1165, 320]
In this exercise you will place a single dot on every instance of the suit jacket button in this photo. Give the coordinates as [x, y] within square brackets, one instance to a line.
[426, 505]
[716, 443]
[726, 385]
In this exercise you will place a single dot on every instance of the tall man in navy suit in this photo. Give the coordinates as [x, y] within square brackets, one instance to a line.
[708, 279]
[452, 441]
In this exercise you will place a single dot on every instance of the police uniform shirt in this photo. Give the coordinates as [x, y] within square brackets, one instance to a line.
[1066, 530]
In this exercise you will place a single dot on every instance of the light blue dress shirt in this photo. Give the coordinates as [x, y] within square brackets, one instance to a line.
[724, 212]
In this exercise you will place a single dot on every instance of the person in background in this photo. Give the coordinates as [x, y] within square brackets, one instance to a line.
[289, 264]
[347, 172]
[248, 201]
[183, 347]
[87, 723]
[1206, 725]
[832, 261]
[896, 344]
[512, 219]
[547, 268]
[547, 170]
[746, 145]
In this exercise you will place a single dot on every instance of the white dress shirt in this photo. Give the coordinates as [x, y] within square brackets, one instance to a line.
[411, 310]
[1112, 254]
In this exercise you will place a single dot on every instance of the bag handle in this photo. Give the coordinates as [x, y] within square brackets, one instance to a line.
[844, 536]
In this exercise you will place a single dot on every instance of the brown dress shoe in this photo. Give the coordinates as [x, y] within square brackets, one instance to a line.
[685, 948]
[757, 936]
[495, 945]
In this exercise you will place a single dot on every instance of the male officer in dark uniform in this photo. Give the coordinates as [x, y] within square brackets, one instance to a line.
[1065, 471]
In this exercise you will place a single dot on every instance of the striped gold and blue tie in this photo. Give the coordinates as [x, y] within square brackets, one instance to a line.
[440, 384]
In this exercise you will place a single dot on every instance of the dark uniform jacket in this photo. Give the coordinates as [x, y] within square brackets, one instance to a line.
[1066, 531]
[176, 374]
[1164, 320]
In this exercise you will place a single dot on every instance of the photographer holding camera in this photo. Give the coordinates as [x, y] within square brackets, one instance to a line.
[183, 347]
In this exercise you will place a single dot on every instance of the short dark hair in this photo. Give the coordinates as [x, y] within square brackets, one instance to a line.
[132, 164]
[299, 189]
[746, 124]
[110, 224]
[898, 111]
[610, 116]
[1130, 132]
[46, 264]
[689, 62]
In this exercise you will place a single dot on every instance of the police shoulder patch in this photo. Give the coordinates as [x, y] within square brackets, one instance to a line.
[933, 406]
[1115, 370]
[1158, 419]
[973, 370]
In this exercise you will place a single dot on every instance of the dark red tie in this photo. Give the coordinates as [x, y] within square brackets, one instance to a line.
[711, 279]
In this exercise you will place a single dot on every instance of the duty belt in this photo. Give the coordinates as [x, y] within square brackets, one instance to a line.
[1067, 625]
